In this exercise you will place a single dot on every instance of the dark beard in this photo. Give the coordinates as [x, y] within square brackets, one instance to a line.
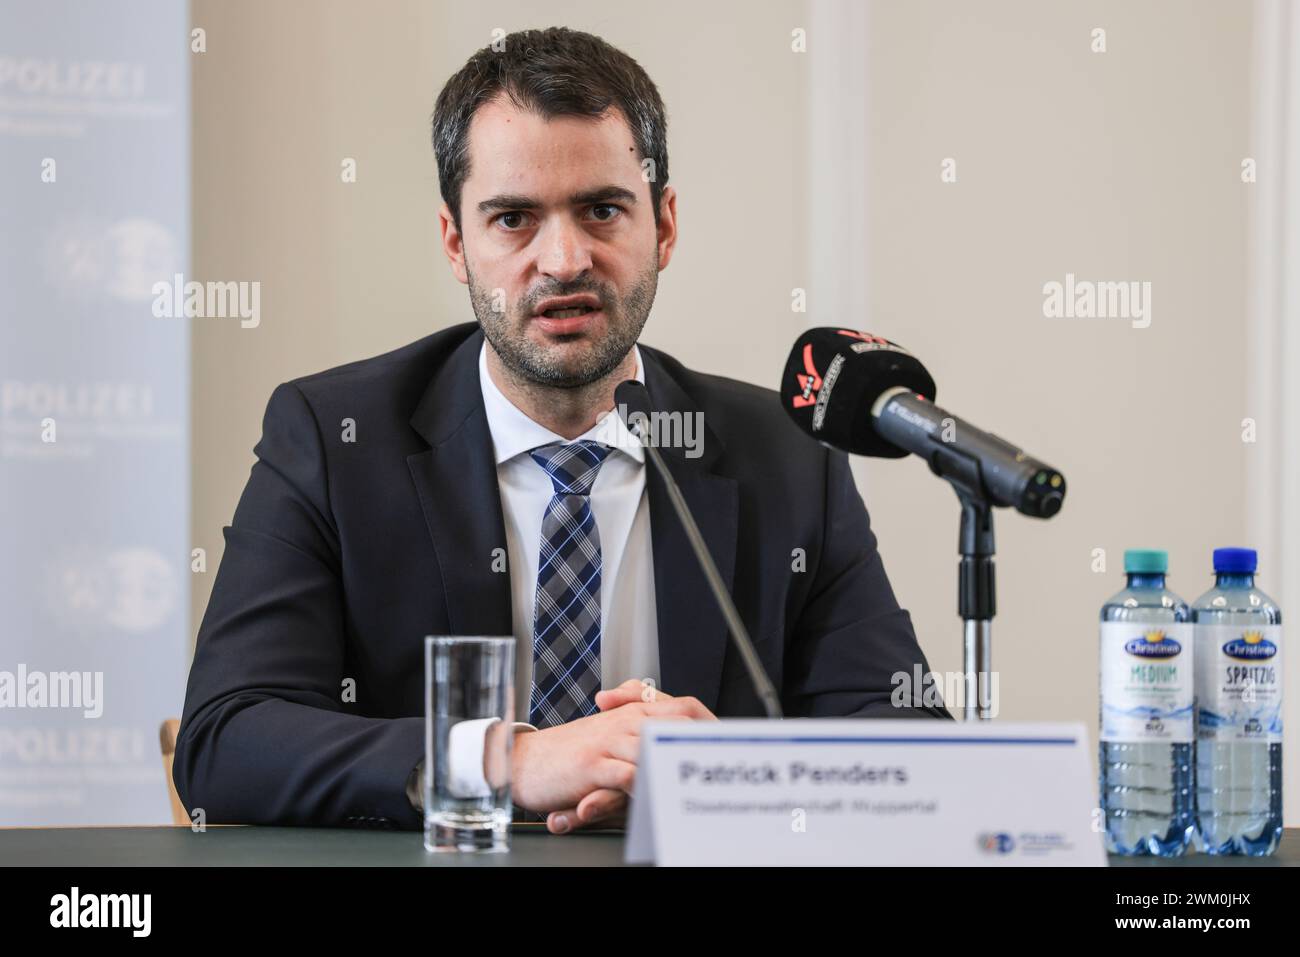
[534, 364]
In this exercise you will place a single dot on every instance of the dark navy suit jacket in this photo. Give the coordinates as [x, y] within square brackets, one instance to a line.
[343, 556]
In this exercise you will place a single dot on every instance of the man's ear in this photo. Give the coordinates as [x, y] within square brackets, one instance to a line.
[667, 233]
[453, 244]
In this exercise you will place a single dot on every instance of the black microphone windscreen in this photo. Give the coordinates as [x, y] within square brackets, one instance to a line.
[630, 398]
[834, 376]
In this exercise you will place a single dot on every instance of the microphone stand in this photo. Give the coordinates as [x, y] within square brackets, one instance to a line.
[976, 586]
[976, 601]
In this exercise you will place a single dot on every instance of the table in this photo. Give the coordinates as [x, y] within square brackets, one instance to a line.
[243, 846]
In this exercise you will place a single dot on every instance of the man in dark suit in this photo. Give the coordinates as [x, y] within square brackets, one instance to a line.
[467, 485]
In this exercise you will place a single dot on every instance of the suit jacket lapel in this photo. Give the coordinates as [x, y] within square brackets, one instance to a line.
[457, 483]
[692, 632]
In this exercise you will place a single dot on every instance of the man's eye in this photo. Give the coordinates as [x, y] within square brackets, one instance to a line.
[512, 220]
[610, 212]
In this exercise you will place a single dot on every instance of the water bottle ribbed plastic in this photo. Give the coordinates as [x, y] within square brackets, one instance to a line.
[1239, 711]
[1146, 713]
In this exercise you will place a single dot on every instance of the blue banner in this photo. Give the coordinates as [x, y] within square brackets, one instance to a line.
[94, 407]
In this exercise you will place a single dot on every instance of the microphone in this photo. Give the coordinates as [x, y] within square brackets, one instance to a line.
[869, 396]
[632, 400]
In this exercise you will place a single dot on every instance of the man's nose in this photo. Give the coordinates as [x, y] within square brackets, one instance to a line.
[564, 253]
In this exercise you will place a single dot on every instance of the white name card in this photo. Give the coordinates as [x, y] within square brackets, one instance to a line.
[854, 792]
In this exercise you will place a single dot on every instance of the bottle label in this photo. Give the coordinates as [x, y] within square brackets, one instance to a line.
[1239, 683]
[1146, 682]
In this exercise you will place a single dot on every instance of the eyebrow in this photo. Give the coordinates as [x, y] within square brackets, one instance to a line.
[602, 194]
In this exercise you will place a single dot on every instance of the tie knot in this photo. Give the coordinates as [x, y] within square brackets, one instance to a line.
[572, 466]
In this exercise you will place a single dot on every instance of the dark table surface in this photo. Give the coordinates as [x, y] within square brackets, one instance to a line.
[294, 846]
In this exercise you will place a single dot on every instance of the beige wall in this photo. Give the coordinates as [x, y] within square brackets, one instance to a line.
[1114, 166]
[1121, 165]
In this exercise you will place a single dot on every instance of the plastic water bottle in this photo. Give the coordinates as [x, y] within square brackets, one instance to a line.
[1238, 641]
[1147, 712]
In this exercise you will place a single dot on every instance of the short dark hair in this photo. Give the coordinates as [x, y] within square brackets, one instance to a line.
[552, 72]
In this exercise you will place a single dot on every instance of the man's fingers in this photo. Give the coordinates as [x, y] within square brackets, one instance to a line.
[596, 807]
[627, 746]
[629, 691]
[562, 822]
[688, 707]
[613, 773]
[599, 805]
[616, 698]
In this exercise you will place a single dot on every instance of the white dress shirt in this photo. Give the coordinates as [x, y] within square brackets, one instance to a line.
[629, 631]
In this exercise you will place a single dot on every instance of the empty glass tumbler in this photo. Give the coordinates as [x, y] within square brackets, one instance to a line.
[469, 711]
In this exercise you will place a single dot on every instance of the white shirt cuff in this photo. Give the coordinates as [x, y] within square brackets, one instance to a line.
[465, 752]
[465, 744]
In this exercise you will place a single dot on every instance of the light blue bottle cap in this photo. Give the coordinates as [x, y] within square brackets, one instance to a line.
[1146, 561]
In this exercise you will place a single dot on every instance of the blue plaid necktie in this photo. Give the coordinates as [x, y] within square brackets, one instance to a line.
[566, 619]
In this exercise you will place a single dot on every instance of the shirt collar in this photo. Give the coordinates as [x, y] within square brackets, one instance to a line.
[514, 433]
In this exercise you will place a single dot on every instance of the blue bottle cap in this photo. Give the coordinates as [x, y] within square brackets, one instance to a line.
[1146, 561]
[1229, 561]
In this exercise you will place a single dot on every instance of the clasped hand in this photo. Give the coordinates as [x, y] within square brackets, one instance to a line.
[582, 772]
